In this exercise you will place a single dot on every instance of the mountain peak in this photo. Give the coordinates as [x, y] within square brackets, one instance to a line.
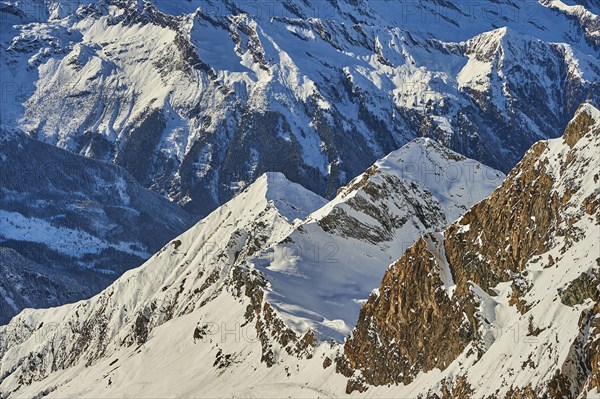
[590, 110]
[445, 173]
[343, 248]
[292, 200]
[586, 119]
[421, 146]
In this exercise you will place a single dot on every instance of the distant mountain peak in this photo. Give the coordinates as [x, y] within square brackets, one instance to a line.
[291, 199]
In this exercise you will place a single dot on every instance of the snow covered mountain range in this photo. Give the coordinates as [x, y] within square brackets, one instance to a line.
[277, 261]
[342, 249]
[196, 99]
[358, 234]
[503, 303]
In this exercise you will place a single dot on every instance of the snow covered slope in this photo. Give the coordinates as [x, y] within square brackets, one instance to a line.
[505, 302]
[253, 284]
[75, 223]
[196, 100]
[197, 272]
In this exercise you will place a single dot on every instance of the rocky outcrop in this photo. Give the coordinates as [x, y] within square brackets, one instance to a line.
[410, 325]
[387, 189]
[428, 309]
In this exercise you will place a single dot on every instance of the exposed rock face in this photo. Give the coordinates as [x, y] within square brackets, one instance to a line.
[380, 200]
[410, 325]
[501, 240]
[430, 308]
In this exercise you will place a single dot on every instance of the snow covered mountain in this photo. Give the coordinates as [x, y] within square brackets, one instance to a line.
[262, 282]
[198, 99]
[210, 105]
[504, 303]
[342, 250]
[69, 225]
